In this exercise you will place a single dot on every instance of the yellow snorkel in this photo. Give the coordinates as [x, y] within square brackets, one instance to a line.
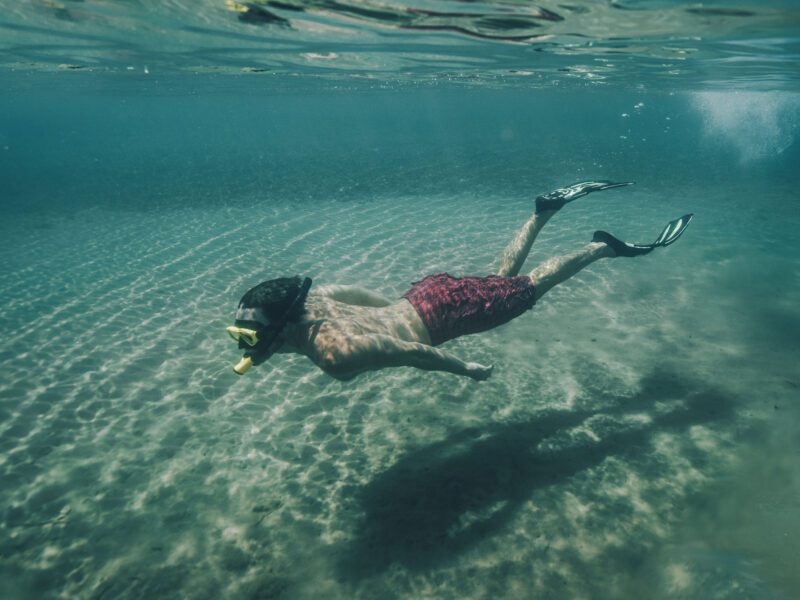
[249, 337]
[243, 366]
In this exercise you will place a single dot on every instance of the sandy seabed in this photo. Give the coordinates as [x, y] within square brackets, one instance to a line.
[638, 437]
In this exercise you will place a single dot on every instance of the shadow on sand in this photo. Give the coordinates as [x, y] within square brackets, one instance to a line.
[443, 498]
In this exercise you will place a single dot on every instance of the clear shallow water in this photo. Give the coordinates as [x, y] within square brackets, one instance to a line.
[638, 437]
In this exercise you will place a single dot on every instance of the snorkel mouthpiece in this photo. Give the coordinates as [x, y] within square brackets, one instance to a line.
[243, 366]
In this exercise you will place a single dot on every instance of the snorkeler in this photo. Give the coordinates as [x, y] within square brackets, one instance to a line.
[346, 330]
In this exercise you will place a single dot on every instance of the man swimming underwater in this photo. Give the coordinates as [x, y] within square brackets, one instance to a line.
[346, 330]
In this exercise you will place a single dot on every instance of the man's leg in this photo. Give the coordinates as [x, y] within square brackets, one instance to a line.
[560, 268]
[603, 245]
[516, 252]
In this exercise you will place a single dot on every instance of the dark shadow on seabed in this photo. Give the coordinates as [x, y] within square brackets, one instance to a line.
[443, 498]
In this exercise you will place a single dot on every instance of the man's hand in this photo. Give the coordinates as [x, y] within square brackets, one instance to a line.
[478, 371]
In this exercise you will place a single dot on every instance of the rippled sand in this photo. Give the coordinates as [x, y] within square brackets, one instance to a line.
[637, 437]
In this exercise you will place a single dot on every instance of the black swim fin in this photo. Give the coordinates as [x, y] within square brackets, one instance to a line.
[670, 235]
[558, 198]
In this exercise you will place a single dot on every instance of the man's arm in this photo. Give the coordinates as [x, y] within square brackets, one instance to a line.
[353, 294]
[372, 352]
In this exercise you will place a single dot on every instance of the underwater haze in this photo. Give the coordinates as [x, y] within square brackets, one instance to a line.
[640, 434]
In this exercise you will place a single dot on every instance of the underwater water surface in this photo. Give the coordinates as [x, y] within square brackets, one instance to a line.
[640, 434]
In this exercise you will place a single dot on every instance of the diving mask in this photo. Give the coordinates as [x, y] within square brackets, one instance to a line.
[243, 334]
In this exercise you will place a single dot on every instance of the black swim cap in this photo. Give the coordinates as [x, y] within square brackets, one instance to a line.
[270, 300]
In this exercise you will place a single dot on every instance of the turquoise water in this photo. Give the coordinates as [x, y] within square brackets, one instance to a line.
[639, 435]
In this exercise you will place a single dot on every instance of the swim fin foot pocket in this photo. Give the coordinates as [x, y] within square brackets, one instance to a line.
[558, 198]
[669, 235]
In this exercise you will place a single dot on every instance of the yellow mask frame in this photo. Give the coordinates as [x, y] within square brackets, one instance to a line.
[248, 336]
